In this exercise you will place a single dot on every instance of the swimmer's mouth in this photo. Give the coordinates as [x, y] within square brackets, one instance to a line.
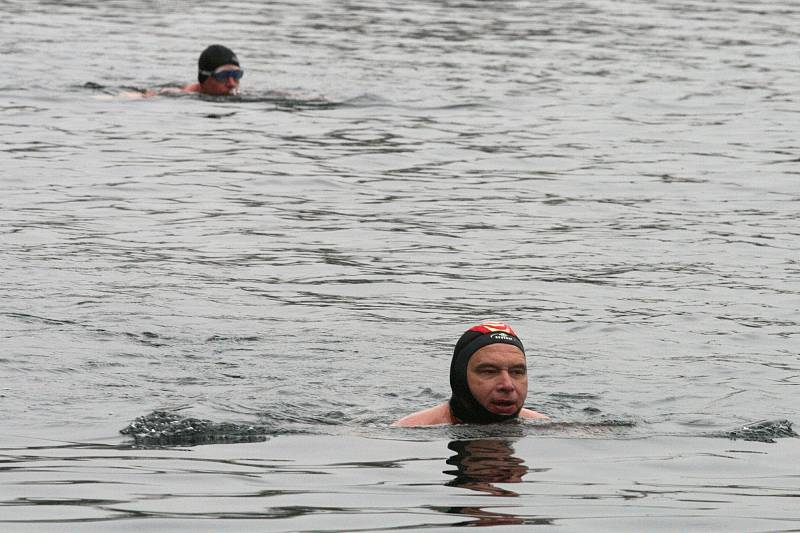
[504, 406]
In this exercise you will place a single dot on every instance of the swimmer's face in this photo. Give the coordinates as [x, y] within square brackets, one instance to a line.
[497, 376]
[228, 85]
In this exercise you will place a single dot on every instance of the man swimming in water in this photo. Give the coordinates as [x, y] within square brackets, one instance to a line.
[218, 72]
[488, 379]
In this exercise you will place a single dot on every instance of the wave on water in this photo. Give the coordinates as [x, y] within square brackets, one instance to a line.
[761, 431]
[165, 428]
[281, 100]
[528, 428]
[285, 101]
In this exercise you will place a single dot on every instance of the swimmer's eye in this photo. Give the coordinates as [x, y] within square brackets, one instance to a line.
[487, 370]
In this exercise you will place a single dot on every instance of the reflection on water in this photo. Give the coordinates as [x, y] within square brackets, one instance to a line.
[482, 517]
[481, 463]
[342, 483]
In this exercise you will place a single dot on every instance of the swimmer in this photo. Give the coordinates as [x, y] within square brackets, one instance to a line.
[218, 74]
[488, 379]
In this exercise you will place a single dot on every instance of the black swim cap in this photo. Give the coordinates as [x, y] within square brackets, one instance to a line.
[462, 403]
[214, 57]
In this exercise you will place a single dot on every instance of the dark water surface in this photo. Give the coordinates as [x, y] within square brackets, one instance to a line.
[618, 180]
[347, 483]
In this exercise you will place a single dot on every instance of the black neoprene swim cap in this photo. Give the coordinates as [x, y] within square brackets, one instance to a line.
[214, 57]
[462, 403]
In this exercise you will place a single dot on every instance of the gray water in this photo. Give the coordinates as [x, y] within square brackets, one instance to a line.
[618, 180]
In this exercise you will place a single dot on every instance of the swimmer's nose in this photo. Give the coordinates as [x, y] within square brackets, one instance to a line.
[506, 383]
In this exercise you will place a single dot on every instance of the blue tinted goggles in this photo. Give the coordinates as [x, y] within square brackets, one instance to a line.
[223, 75]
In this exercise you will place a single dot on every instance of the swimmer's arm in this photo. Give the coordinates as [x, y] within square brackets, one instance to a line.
[148, 93]
[133, 95]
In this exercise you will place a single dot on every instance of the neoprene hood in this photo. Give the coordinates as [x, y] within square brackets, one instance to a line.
[462, 403]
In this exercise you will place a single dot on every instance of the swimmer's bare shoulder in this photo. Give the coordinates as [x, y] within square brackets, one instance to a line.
[441, 414]
[530, 413]
[434, 416]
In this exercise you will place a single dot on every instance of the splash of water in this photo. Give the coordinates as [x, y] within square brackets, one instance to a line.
[162, 428]
[761, 431]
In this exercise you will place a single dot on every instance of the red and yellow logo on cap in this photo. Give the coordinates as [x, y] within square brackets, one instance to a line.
[491, 327]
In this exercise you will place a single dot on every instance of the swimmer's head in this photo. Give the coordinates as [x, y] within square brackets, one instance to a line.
[212, 58]
[493, 388]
